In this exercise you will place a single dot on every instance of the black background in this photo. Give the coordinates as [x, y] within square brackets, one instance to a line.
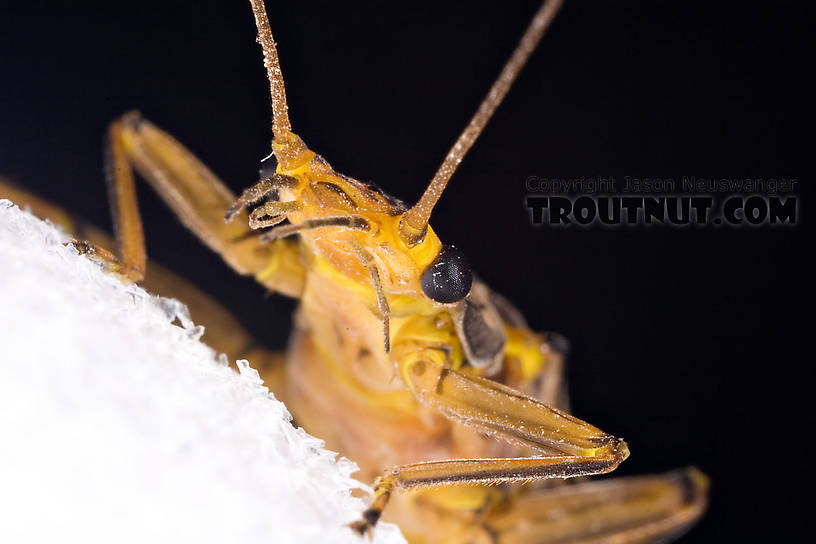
[688, 342]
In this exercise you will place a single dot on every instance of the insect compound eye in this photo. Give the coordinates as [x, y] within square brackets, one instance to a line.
[268, 166]
[448, 278]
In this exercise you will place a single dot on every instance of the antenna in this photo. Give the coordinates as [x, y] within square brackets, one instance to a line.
[415, 221]
[280, 111]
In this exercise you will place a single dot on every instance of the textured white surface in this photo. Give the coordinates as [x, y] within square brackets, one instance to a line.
[117, 426]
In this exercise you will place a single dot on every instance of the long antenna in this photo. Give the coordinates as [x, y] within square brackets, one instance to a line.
[280, 111]
[416, 219]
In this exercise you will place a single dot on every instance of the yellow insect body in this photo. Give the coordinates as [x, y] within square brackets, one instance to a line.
[433, 384]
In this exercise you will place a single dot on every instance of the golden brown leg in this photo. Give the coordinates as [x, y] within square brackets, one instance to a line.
[498, 410]
[483, 471]
[573, 447]
[272, 213]
[258, 191]
[199, 199]
[538, 360]
[367, 260]
[223, 331]
[201, 202]
[127, 223]
[622, 511]
[99, 254]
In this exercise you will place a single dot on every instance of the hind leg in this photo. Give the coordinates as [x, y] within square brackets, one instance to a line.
[636, 510]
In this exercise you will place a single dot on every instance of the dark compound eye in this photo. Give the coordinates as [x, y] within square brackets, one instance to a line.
[448, 278]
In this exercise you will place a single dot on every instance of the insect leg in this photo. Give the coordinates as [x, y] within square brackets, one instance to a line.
[272, 213]
[87, 240]
[198, 198]
[499, 410]
[223, 331]
[540, 360]
[127, 223]
[382, 303]
[258, 191]
[574, 447]
[622, 510]
[482, 471]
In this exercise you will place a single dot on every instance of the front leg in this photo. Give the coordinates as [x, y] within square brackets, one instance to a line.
[570, 447]
[198, 198]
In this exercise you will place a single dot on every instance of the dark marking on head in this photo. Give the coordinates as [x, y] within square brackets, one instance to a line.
[397, 206]
[448, 278]
[339, 193]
